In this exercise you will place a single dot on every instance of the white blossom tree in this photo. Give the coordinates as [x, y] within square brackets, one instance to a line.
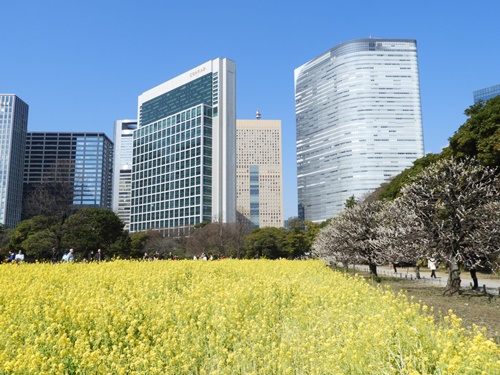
[399, 234]
[350, 238]
[456, 203]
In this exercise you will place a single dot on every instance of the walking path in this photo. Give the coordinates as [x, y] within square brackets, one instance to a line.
[492, 283]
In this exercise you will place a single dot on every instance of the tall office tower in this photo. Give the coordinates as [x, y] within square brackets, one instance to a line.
[486, 93]
[184, 160]
[358, 120]
[13, 127]
[122, 171]
[81, 162]
[259, 191]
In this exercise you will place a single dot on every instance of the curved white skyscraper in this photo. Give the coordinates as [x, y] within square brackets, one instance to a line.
[358, 121]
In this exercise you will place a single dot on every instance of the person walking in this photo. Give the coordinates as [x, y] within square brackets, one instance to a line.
[432, 264]
[471, 264]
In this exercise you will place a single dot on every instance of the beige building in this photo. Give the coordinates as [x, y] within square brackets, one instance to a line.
[259, 188]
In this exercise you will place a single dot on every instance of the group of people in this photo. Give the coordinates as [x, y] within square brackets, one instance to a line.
[69, 256]
[15, 258]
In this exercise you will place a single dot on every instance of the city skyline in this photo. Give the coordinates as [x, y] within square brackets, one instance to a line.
[75, 61]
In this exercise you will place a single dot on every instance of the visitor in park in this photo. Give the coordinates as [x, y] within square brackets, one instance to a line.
[471, 264]
[71, 256]
[432, 264]
[12, 257]
[420, 263]
[98, 256]
[55, 255]
[394, 265]
[19, 257]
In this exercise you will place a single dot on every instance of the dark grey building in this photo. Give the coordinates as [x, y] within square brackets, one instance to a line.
[83, 161]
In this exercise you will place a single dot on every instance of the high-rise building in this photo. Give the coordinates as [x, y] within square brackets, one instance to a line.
[259, 191]
[358, 122]
[486, 93]
[82, 161]
[122, 171]
[184, 153]
[13, 128]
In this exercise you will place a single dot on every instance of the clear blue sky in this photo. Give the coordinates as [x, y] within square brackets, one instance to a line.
[80, 65]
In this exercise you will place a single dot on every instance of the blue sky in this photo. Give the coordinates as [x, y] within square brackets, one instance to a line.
[80, 65]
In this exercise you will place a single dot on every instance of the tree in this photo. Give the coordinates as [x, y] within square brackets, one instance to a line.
[392, 189]
[4, 239]
[300, 237]
[158, 242]
[35, 236]
[92, 228]
[138, 244]
[266, 242]
[479, 136]
[350, 202]
[52, 197]
[351, 237]
[398, 234]
[453, 201]
[334, 244]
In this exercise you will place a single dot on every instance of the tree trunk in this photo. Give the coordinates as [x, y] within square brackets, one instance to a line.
[373, 269]
[417, 272]
[453, 285]
[346, 266]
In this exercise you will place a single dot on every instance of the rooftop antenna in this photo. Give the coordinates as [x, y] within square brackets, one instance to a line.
[257, 115]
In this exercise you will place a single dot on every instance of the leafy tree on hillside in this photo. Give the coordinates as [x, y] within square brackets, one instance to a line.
[392, 189]
[479, 136]
[454, 203]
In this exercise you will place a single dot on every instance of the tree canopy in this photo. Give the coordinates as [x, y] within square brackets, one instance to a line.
[479, 136]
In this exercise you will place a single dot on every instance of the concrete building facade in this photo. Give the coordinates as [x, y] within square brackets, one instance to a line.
[259, 181]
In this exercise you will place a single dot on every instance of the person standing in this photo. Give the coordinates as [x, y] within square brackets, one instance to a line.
[472, 264]
[70, 256]
[12, 257]
[432, 264]
[98, 255]
[19, 257]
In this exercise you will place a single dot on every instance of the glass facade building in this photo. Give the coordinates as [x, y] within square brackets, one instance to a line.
[13, 128]
[184, 151]
[486, 93]
[122, 171]
[85, 160]
[259, 186]
[358, 122]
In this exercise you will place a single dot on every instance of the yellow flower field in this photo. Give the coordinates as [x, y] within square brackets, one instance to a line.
[222, 317]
